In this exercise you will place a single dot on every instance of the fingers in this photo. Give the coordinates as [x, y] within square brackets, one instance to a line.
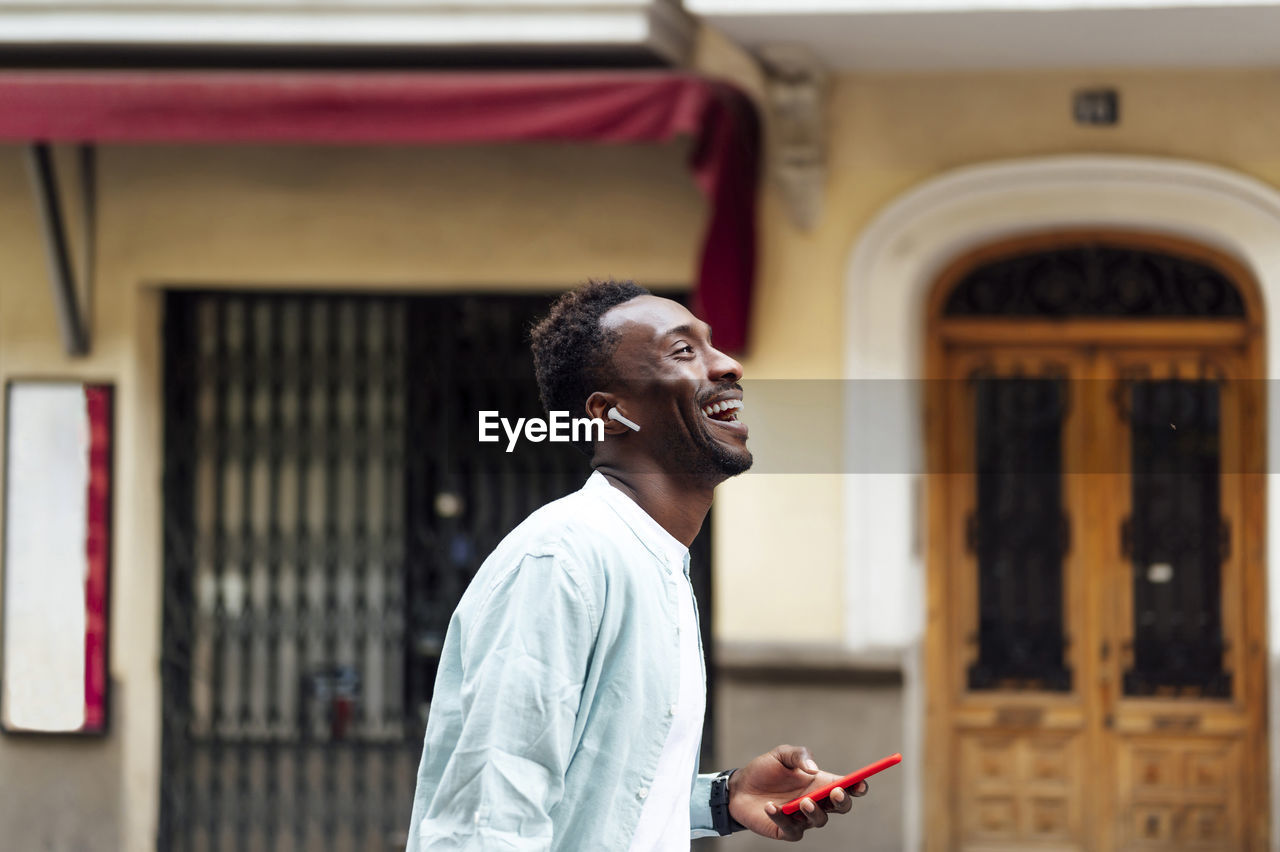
[839, 802]
[811, 814]
[789, 827]
[793, 826]
[816, 817]
[796, 757]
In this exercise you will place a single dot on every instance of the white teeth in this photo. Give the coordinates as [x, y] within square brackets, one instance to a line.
[718, 407]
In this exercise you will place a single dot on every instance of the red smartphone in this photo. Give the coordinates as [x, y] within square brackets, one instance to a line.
[849, 780]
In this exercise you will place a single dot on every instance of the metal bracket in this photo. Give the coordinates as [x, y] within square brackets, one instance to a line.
[796, 86]
[72, 308]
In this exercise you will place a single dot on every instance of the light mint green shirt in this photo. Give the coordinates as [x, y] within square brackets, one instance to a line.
[557, 686]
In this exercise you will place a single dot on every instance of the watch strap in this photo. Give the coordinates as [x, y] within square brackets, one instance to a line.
[721, 820]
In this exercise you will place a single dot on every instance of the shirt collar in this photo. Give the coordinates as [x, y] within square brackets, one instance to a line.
[657, 540]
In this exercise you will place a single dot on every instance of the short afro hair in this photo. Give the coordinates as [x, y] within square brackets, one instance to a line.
[571, 352]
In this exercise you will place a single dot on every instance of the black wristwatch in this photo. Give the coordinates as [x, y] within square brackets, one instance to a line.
[721, 820]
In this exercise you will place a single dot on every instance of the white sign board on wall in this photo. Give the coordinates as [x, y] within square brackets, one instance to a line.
[56, 552]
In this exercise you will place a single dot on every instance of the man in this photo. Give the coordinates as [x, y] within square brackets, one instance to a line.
[569, 702]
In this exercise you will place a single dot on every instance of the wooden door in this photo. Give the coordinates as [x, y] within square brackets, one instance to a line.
[1020, 725]
[1094, 656]
[1179, 589]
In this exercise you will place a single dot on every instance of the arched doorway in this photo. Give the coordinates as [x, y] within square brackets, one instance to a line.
[1095, 649]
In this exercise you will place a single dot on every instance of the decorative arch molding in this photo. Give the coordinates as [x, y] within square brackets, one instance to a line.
[890, 271]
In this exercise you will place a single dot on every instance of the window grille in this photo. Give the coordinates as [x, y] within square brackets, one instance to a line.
[1176, 540]
[1019, 534]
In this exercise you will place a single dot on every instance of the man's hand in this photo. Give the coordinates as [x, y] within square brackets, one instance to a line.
[758, 791]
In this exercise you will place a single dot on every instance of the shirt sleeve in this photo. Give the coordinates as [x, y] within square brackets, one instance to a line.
[524, 658]
[700, 806]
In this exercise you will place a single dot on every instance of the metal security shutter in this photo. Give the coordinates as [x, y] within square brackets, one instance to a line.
[326, 504]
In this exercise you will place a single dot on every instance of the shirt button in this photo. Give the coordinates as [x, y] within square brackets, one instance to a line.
[642, 792]
[671, 711]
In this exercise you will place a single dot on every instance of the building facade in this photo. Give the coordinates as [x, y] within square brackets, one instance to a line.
[963, 540]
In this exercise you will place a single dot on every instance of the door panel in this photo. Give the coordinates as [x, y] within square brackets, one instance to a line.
[1180, 792]
[1100, 519]
[1019, 718]
[1178, 719]
[1021, 788]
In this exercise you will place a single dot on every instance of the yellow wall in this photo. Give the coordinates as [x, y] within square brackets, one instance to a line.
[887, 134]
[503, 218]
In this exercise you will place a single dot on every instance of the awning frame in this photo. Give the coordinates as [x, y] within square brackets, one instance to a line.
[70, 297]
[326, 107]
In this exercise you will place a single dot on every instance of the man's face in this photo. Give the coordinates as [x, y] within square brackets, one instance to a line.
[682, 391]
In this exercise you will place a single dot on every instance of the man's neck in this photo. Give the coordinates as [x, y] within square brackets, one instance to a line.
[678, 503]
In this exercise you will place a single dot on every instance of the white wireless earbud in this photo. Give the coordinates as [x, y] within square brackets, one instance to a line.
[613, 414]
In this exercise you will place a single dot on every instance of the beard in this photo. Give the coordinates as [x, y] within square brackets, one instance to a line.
[705, 457]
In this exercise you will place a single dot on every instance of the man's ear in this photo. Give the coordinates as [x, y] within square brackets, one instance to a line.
[598, 405]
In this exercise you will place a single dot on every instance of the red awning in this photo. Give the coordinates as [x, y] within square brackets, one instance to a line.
[431, 108]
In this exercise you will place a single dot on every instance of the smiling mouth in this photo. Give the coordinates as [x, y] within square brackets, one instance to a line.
[723, 412]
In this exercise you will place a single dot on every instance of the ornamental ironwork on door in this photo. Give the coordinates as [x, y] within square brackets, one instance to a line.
[326, 503]
[1093, 280]
[1177, 539]
[1019, 533]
